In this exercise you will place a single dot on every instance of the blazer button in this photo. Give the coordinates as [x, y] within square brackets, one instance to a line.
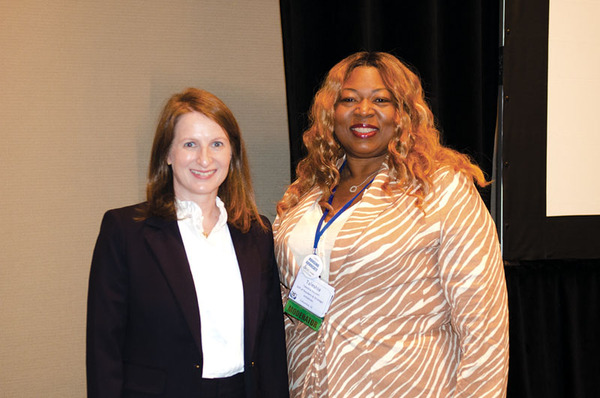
[252, 363]
[197, 366]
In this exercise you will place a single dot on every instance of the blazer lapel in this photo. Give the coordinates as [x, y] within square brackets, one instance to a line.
[165, 242]
[250, 271]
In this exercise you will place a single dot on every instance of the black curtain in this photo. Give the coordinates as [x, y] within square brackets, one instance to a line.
[554, 315]
[454, 47]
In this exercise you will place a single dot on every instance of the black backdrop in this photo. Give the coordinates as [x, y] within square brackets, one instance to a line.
[454, 46]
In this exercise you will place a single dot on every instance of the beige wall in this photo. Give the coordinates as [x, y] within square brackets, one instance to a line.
[81, 85]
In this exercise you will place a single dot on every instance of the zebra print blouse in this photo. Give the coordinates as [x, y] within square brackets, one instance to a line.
[420, 308]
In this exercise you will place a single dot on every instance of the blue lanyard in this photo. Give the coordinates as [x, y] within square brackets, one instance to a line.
[320, 231]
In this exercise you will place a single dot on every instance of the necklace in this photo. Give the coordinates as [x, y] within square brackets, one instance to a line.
[353, 188]
[212, 216]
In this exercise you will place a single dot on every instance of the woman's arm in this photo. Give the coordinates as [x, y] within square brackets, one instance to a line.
[472, 274]
[273, 379]
[106, 312]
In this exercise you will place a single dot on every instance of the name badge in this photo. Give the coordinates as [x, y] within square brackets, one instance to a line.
[309, 299]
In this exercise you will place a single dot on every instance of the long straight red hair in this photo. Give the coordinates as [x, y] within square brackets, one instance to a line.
[236, 191]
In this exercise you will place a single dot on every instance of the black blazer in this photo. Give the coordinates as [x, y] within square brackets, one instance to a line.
[143, 322]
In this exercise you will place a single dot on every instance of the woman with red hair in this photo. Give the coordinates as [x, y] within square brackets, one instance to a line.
[183, 294]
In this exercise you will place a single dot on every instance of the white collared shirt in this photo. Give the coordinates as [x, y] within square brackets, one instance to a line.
[219, 290]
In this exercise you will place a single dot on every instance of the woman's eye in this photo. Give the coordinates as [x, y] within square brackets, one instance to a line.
[347, 99]
[381, 100]
[217, 144]
[189, 145]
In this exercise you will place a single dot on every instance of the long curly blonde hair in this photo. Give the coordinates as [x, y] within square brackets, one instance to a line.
[415, 151]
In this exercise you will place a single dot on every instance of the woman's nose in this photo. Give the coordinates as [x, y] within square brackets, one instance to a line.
[204, 157]
[364, 107]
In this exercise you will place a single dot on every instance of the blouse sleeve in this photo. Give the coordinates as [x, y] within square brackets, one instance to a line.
[472, 275]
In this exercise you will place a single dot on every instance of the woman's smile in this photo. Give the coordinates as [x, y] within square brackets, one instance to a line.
[364, 130]
[203, 174]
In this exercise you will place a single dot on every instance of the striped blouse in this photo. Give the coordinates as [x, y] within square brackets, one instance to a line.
[420, 306]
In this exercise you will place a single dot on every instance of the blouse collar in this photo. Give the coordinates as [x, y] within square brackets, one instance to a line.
[189, 210]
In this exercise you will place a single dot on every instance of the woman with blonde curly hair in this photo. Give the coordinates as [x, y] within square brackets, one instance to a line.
[390, 264]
